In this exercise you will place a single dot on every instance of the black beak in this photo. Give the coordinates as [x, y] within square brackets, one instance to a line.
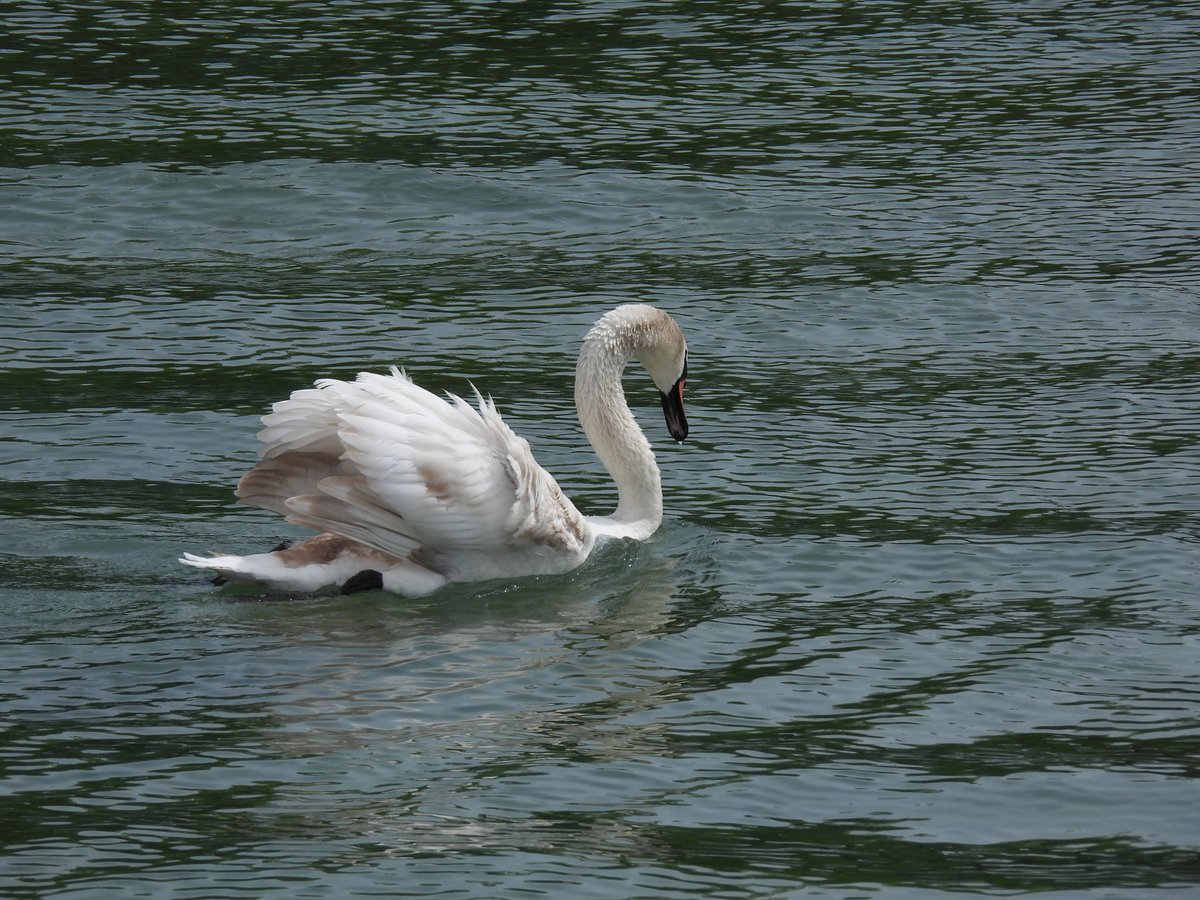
[672, 402]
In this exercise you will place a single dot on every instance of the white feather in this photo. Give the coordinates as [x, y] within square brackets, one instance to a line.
[430, 489]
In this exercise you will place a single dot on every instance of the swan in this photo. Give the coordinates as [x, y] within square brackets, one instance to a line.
[412, 491]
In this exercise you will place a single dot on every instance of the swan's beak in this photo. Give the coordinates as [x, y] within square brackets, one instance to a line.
[672, 402]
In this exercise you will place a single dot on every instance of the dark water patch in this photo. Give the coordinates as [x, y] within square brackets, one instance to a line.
[999, 756]
[103, 500]
[878, 525]
[824, 742]
[861, 853]
[248, 389]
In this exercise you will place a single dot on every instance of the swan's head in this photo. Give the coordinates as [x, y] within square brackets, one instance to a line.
[663, 351]
[672, 396]
[655, 340]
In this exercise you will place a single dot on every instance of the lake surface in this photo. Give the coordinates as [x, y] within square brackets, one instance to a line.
[924, 616]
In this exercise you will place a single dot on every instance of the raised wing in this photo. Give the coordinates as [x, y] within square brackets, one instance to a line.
[388, 463]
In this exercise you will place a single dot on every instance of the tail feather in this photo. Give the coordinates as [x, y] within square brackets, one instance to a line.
[231, 567]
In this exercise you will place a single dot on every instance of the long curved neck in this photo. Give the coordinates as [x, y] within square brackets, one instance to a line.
[615, 436]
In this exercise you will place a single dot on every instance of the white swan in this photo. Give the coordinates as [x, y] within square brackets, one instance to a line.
[413, 491]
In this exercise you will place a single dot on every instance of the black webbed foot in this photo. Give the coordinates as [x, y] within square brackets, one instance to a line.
[366, 580]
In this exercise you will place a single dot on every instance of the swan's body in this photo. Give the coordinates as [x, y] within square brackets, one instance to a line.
[413, 491]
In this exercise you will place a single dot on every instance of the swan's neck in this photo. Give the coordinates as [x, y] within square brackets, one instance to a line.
[616, 437]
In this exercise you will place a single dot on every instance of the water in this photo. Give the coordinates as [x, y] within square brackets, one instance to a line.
[923, 618]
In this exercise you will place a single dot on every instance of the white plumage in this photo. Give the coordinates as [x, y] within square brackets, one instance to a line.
[412, 490]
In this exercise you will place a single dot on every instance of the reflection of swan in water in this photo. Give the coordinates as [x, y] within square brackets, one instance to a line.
[414, 491]
[489, 667]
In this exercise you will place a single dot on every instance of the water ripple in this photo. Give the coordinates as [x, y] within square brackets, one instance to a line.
[929, 550]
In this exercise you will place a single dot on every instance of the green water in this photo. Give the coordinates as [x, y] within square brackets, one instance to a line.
[923, 618]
